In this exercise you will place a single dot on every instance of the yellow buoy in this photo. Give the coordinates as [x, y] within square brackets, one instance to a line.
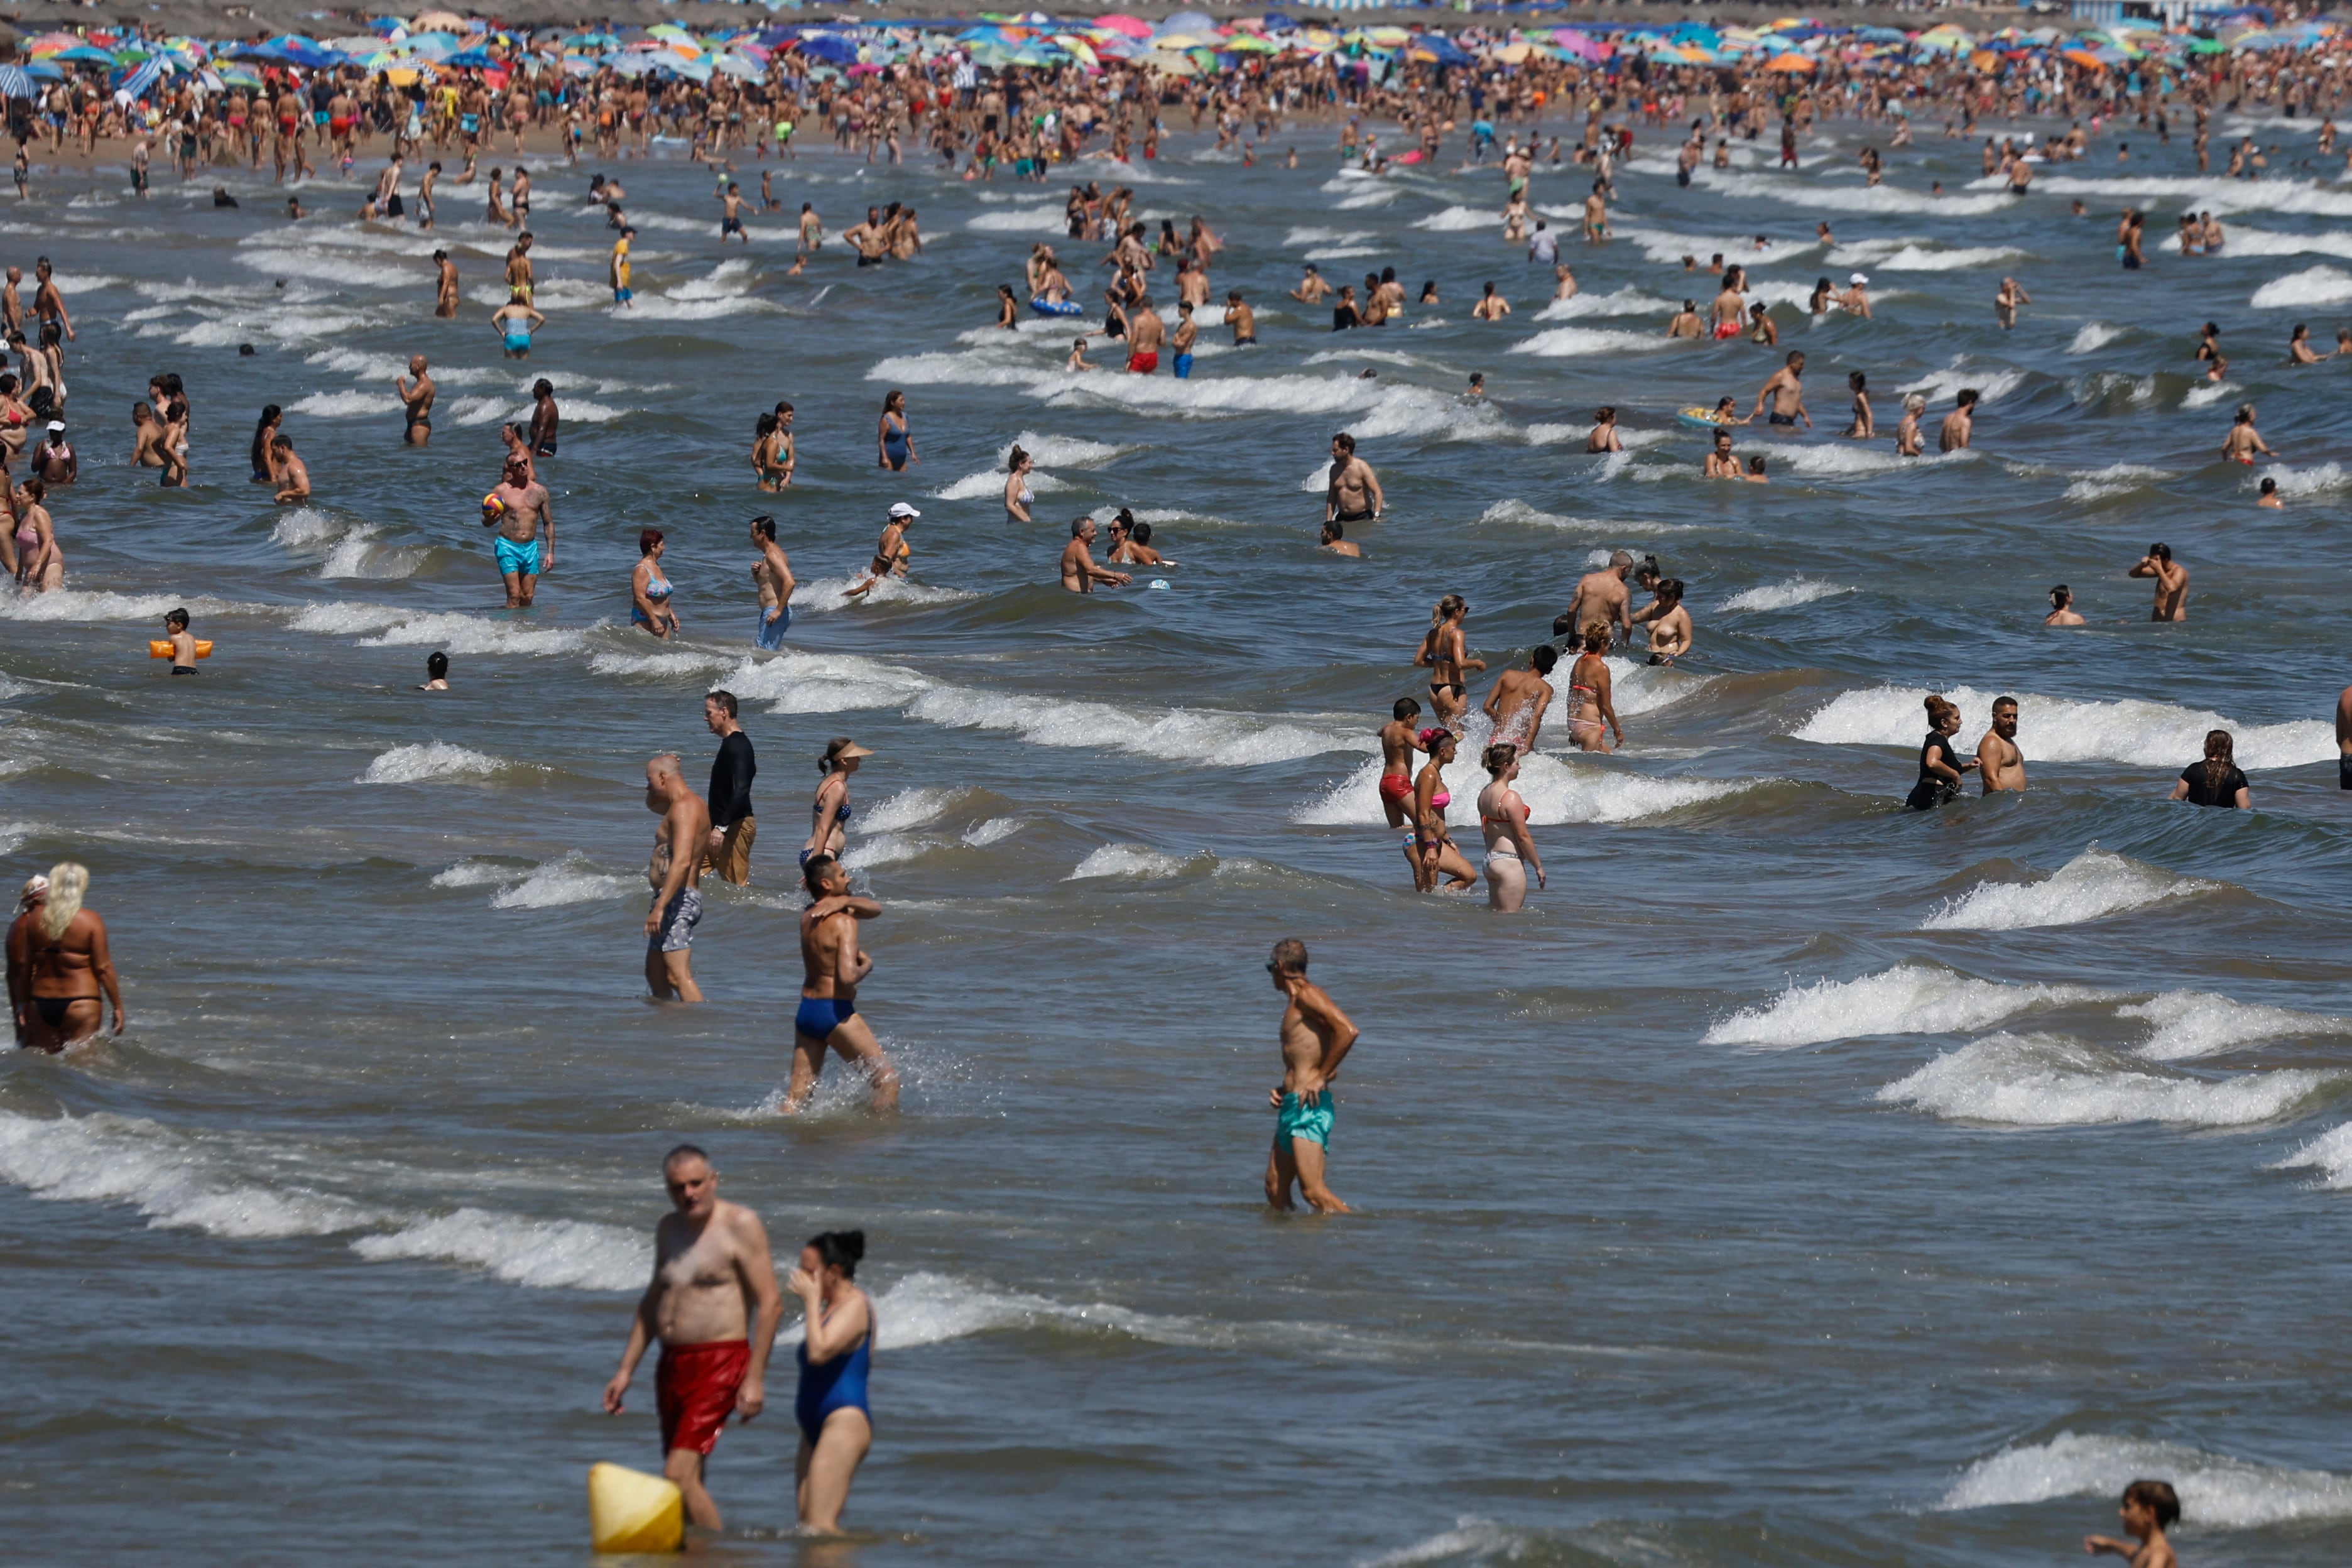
[629, 1511]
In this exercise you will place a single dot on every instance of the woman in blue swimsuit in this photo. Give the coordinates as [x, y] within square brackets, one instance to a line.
[896, 442]
[829, 826]
[835, 1353]
[649, 605]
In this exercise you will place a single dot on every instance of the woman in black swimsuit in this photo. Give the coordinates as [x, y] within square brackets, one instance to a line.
[59, 964]
[1940, 766]
[2216, 780]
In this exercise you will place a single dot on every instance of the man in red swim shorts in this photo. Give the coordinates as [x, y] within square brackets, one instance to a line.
[714, 1306]
[1399, 740]
[1145, 332]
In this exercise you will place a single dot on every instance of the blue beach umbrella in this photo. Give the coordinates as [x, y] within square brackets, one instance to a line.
[14, 83]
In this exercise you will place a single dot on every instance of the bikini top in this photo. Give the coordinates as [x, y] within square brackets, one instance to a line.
[1504, 822]
[657, 586]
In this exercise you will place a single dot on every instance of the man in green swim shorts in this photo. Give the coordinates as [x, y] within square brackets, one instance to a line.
[1315, 1037]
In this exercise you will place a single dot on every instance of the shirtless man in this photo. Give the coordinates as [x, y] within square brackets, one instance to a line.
[2172, 583]
[49, 305]
[293, 474]
[773, 575]
[1354, 494]
[714, 1305]
[58, 963]
[1335, 539]
[674, 874]
[1079, 573]
[1961, 424]
[417, 397]
[546, 418]
[11, 303]
[1400, 739]
[445, 298]
[1600, 595]
[524, 516]
[146, 438]
[1241, 319]
[831, 969]
[1144, 331]
[2002, 764]
[1520, 699]
[1311, 287]
[1315, 1037]
[1786, 393]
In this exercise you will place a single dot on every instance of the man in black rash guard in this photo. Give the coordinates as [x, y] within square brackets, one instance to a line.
[732, 828]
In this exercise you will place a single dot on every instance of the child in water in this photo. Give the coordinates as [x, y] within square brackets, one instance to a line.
[2147, 1507]
[184, 647]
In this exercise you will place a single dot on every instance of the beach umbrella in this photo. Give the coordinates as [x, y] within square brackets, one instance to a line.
[83, 52]
[2084, 58]
[740, 66]
[14, 83]
[1127, 26]
[1790, 62]
[140, 80]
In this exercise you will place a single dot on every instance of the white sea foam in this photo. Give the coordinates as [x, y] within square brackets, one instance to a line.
[1814, 196]
[169, 1178]
[544, 1254]
[825, 595]
[2200, 1024]
[1457, 219]
[2092, 885]
[571, 881]
[1783, 596]
[995, 830]
[1847, 459]
[345, 404]
[2243, 241]
[432, 759]
[1311, 236]
[2092, 336]
[1567, 343]
[1471, 1541]
[1990, 384]
[2313, 286]
[2330, 1154]
[1058, 451]
[2210, 394]
[1342, 252]
[1626, 301]
[392, 627]
[74, 605]
[1125, 860]
[2216, 1491]
[1047, 221]
[2310, 482]
[989, 483]
[907, 808]
[2057, 730]
[477, 874]
[1908, 999]
[2115, 479]
[1555, 791]
[2045, 1080]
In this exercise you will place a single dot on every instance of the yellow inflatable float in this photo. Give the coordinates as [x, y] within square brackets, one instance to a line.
[164, 649]
[629, 1511]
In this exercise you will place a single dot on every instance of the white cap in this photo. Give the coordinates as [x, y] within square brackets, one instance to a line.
[1859, 277]
[901, 509]
[57, 424]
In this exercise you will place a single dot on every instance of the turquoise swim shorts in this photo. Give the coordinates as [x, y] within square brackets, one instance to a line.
[1298, 1119]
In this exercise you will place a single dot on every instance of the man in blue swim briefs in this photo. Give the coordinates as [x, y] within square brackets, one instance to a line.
[1315, 1037]
[832, 967]
[523, 514]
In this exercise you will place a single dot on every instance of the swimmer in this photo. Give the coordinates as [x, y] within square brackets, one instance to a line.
[1591, 701]
[674, 873]
[1400, 739]
[416, 399]
[1491, 306]
[1720, 463]
[713, 1306]
[771, 575]
[833, 968]
[40, 564]
[2243, 440]
[1079, 573]
[835, 1355]
[445, 288]
[1312, 288]
[617, 271]
[1130, 542]
[830, 811]
[891, 552]
[516, 321]
[146, 438]
[2270, 494]
[1940, 767]
[1145, 332]
[546, 418]
[1445, 655]
[1335, 539]
[524, 514]
[1755, 474]
[2148, 1507]
[1685, 323]
[53, 461]
[293, 474]
[1961, 424]
[1865, 425]
[1315, 1037]
[2172, 583]
[1433, 842]
[1671, 633]
[783, 451]
[649, 589]
[183, 643]
[436, 672]
[1604, 437]
[2062, 609]
[1908, 441]
[1785, 392]
[2298, 346]
[60, 964]
[2001, 765]
[1241, 319]
[1517, 704]
[1354, 493]
[1077, 360]
[1600, 595]
[1503, 818]
[894, 439]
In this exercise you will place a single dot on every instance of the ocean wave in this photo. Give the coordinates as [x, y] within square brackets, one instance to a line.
[2115, 479]
[2330, 1154]
[1813, 195]
[473, 873]
[989, 483]
[1783, 596]
[544, 1254]
[554, 883]
[2044, 1081]
[1921, 256]
[171, 1179]
[1908, 999]
[1990, 384]
[1625, 302]
[907, 808]
[75, 605]
[2216, 1491]
[2058, 729]
[1567, 343]
[825, 595]
[2310, 482]
[1048, 222]
[1555, 791]
[2210, 394]
[345, 404]
[432, 760]
[383, 626]
[1459, 219]
[1125, 860]
[2313, 286]
[1312, 236]
[1839, 459]
[2200, 1024]
[2092, 336]
[2092, 885]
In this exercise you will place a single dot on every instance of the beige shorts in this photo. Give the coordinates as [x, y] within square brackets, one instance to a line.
[732, 861]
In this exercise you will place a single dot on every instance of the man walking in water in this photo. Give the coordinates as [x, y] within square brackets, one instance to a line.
[416, 397]
[2172, 583]
[1600, 595]
[1315, 1037]
[714, 1305]
[522, 512]
[675, 872]
[1355, 494]
[832, 968]
[772, 573]
[2001, 764]
[732, 827]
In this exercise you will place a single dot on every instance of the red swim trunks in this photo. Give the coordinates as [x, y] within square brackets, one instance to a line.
[1727, 330]
[1143, 365]
[695, 1387]
[1397, 787]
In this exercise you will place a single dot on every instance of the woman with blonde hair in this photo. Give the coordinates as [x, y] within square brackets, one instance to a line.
[59, 964]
